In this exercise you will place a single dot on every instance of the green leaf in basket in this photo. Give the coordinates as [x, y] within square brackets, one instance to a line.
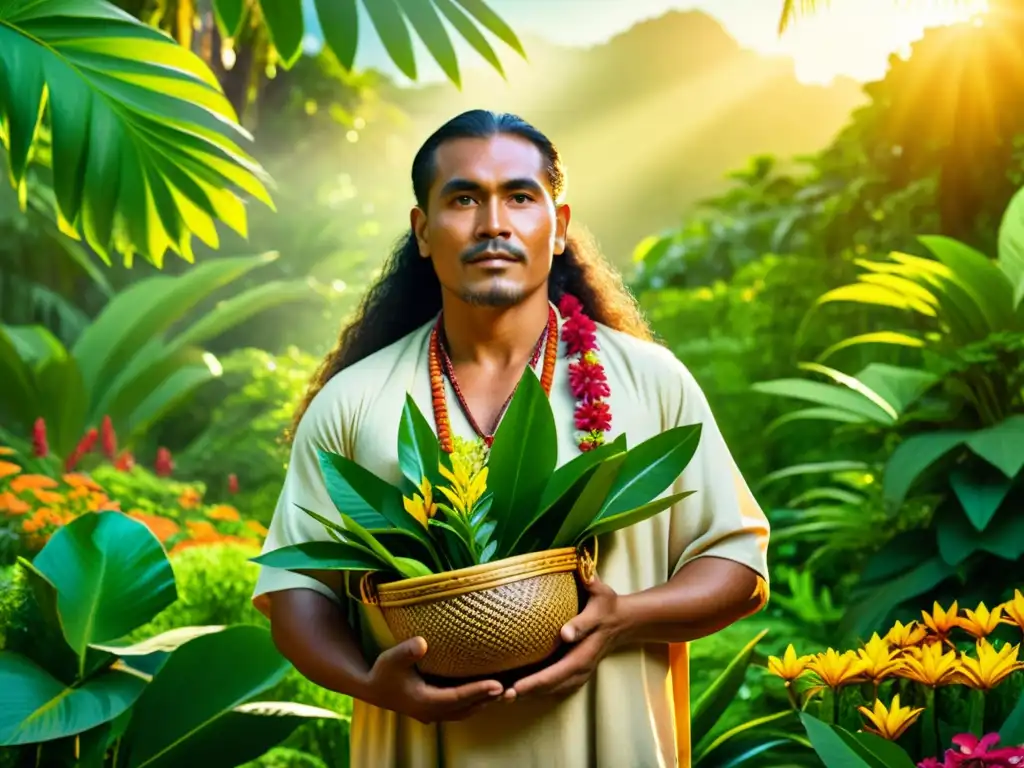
[322, 556]
[522, 457]
[455, 545]
[622, 520]
[587, 505]
[651, 467]
[417, 446]
[541, 533]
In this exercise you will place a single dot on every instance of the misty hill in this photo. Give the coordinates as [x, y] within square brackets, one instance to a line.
[649, 122]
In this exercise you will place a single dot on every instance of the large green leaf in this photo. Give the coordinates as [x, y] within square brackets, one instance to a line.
[60, 387]
[899, 386]
[347, 482]
[979, 276]
[913, 456]
[322, 555]
[870, 613]
[608, 523]
[565, 477]
[109, 79]
[588, 504]
[201, 683]
[144, 310]
[815, 414]
[149, 369]
[469, 32]
[980, 495]
[339, 20]
[1011, 245]
[424, 19]
[168, 394]
[284, 22]
[958, 539]
[493, 23]
[111, 576]
[717, 697]
[35, 706]
[18, 398]
[856, 385]
[814, 468]
[737, 746]
[244, 733]
[1001, 445]
[390, 24]
[833, 750]
[878, 337]
[1012, 729]
[522, 457]
[229, 16]
[651, 467]
[417, 446]
[827, 395]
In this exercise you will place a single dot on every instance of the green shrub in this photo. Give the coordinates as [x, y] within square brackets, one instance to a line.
[283, 757]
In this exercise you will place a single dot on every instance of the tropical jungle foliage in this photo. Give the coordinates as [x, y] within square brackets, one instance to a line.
[143, 400]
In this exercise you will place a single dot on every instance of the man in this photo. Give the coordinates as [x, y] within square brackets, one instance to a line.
[489, 255]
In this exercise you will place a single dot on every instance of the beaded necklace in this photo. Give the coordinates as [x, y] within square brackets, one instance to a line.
[586, 377]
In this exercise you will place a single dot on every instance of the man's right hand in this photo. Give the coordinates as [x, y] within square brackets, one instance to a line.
[395, 684]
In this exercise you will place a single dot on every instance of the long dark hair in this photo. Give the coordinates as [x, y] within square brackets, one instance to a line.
[408, 293]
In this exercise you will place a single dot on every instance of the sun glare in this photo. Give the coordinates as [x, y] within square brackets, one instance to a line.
[857, 36]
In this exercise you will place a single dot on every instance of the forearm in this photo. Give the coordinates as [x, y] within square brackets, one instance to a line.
[311, 631]
[705, 596]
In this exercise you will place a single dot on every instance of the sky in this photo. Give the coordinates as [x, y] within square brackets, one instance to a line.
[846, 37]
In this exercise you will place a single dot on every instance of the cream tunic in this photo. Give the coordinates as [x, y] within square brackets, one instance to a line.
[633, 713]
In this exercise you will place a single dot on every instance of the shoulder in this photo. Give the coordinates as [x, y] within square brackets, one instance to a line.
[651, 369]
[353, 390]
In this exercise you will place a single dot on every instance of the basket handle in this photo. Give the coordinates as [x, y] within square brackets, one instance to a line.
[586, 560]
[368, 589]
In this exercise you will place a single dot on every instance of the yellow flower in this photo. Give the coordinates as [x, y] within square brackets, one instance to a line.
[6, 451]
[836, 669]
[981, 622]
[907, 636]
[190, 498]
[930, 666]
[421, 505]
[880, 660]
[223, 512]
[892, 722]
[1015, 609]
[790, 666]
[990, 668]
[941, 622]
[467, 486]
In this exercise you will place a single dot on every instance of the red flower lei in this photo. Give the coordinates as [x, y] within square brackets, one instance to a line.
[587, 379]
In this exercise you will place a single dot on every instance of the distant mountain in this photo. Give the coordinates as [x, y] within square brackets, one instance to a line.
[649, 122]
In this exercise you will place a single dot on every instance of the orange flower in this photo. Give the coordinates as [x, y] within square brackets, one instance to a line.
[201, 530]
[162, 527]
[100, 501]
[12, 504]
[190, 498]
[78, 480]
[5, 451]
[256, 527]
[26, 482]
[47, 497]
[7, 469]
[223, 512]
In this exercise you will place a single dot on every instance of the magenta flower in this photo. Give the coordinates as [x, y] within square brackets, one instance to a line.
[977, 753]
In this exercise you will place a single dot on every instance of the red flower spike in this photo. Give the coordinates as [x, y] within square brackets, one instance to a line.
[593, 416]
[40, 448]
[232, 483]
[109, 439]
[84, 446]
[124, 462]
[164, 465]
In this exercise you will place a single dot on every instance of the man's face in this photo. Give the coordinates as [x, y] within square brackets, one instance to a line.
[491, 227]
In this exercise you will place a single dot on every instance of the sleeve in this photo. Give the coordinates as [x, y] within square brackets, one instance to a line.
[722, 518]
[322, 426]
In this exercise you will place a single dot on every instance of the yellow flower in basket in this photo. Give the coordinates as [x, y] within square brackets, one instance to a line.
[505, 544]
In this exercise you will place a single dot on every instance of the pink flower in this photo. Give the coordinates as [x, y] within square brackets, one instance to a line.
[593, 416]
[40, 448]
[930, 762]
[569, 306]
[587, 380]
[975, 753]
[579, 334]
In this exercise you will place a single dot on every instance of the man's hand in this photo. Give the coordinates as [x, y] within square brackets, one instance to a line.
[395, 684]
[596, 632]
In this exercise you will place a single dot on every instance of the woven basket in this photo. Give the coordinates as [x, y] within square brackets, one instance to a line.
[486, 619]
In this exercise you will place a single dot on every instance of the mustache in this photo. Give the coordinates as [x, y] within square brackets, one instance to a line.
[494, 247]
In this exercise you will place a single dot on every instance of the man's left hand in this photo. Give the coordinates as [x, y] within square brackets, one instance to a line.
[596, 631]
